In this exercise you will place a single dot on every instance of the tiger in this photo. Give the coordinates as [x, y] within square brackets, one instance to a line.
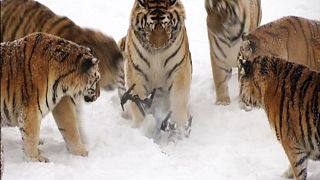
[39, 18]
[227, 20]
[157, 56]
[37, 71]
[289, 93]
[285, 38]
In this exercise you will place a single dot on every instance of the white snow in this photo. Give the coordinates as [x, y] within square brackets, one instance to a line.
[226, 143]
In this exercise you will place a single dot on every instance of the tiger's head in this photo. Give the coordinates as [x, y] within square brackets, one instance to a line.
[74, 70]
[157, 23]
[253, 76]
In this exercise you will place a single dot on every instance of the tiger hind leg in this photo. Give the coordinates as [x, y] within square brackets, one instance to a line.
[29, 126]
[65, 116]
[298, 162]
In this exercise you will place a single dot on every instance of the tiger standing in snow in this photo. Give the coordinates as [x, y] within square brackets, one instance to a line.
[290, 95]
[36, 72]
[22, 17]
[227, 20]
[157, 57]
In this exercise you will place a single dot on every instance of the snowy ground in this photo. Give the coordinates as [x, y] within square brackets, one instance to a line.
[226, 143]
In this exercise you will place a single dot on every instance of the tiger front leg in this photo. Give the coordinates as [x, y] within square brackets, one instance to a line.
[29, 125]
[298, 162]
[65, 116]
[179, 101]
[221, 74]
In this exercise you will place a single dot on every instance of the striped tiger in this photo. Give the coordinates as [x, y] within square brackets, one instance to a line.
[36, 72]
[290, 95]
[157, 57]
[38, 18]
[285, 38]
[227, 20]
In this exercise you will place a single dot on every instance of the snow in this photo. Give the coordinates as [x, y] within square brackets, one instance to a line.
[226, 143]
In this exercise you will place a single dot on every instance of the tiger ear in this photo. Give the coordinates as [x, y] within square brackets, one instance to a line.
[142, 3]
[172, 2]
[249, 44]
[88, 63]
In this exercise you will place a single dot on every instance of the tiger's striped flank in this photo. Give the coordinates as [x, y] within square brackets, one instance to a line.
[290, 95]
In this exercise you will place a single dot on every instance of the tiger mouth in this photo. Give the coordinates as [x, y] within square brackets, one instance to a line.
[92, 93]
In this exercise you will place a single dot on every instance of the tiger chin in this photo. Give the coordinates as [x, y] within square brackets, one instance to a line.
[36, 72]
[227, 20]
[157, 56]
[290, 95]
[284, 38]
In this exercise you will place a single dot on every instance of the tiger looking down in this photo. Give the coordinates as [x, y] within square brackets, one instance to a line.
[227, 20]
[36, 72]
[157, 57]
[290, 95]
[39, 18]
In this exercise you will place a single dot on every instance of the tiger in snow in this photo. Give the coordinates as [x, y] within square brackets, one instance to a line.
[157, 57]
[22, 17]
[290, 95]
[227, 20]
[285, 38]
[37, 71]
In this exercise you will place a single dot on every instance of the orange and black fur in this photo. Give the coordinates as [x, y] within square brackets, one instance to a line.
[290, 95]
[36, 72]
[227, 20]
[22, 17]
[157, 57]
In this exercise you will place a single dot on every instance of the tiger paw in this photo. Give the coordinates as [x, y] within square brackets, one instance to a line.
[288, 174]
[38, 158]
[79, 151]
[223, 101]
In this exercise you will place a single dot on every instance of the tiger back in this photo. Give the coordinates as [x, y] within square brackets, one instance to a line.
[39, 18]
[227, 20]
[294, 38]
[36, 72]
[157, 56]
[290, 95]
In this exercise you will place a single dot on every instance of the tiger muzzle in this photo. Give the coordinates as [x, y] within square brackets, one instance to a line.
[92, 93]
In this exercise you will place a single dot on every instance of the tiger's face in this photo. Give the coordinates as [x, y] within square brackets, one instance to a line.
[250, 85]
[83, 81]
[157, 22]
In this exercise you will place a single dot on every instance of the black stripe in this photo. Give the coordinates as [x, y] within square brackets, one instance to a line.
[140, 54]
[38, 97]
[64, 28]
[309, 130]
[56, 22]
[170, 87]
[303, 173]
[219, 47]
[137, 68]
[28, 18]
[37, 41]
[301, 161]
[287, 69]
[47, 94]
[14, 102]
[176, 66]
[295, 77]
[315, 106]
[6, 111]
[56, 83]
[43, 21]
[302, 94]
[174, 53]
